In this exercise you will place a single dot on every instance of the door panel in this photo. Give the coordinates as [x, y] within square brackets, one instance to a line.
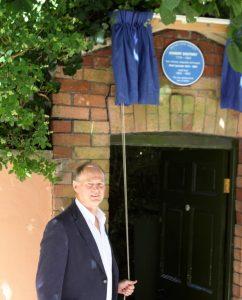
[201, 242]
[194, 209]
[173, 247]
[204, 176]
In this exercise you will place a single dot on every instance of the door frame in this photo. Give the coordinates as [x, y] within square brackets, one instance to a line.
[199, 141]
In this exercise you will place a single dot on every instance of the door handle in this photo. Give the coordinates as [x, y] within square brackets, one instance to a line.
[187, 207]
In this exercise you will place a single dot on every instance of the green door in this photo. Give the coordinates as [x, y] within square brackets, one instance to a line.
[194, 219]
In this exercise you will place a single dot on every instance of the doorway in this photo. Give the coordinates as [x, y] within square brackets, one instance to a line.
[178, 220]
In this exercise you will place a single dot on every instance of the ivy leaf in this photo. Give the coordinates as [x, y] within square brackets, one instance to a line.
[237, 7]
[20, 5]
[235, 57]
[235, 31]
[73, 64]
[170, 4]
[190, 12]
[167, 16]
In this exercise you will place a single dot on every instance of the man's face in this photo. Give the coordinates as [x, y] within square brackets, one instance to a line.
[90, 187]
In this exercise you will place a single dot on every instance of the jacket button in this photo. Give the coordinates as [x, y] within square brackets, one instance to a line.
[105, 281]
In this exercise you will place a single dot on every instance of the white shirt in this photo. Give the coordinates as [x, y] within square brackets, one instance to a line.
[101, 240]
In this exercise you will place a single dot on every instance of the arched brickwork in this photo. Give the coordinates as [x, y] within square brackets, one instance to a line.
[84, 115]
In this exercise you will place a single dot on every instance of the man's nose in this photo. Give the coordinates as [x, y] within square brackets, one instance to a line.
[95, 187]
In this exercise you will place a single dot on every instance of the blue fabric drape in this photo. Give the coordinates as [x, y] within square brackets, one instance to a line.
[133, 57]
[231, 86]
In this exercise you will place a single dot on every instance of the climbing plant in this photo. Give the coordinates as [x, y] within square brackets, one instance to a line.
[36, 36]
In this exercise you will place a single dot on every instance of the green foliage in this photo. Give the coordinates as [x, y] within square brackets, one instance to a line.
[36, 36]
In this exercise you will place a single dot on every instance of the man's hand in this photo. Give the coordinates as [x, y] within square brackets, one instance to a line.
[126, 287]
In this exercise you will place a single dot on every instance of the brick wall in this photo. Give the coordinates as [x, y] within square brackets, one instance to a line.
[237, 278]
[84, 115]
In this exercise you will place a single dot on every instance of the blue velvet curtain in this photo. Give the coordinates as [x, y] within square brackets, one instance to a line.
[231, 86]
[133, 57]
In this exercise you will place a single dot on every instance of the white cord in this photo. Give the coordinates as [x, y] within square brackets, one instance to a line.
[125, 189]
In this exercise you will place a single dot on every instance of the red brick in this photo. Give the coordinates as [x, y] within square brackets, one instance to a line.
[239, 194]
[239, 206]
[239, 218]
[159, 53]
[89, 100]
[99, 88]
[196, 36]
[219, 49]
[239, 170]
[167, 42]
[236, 290]
[237, 254]
[158, 42]
[71, 85]
[61, 98]
[78, 75]
[67, 112]
[62, 152]
[99, 114]
[209, 71]
[65, 178]
[101, 62]
[170, 33]
[87, 61]
[61, 126]
[237, 242]
[71, 139]
[113, 90]
[99, 75]
[236, 266]
[239, 182]
[236, 278]
[240, 141]
[238, 230]
[218, 70]
[183, 34]
[213, 59]
[206, 46]
[63, 190]
[104, 52]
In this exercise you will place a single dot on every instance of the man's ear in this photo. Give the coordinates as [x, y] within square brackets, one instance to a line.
[74, 185]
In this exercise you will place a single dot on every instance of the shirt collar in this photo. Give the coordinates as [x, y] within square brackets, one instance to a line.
[88, 216]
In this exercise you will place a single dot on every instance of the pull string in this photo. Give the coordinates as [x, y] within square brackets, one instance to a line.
[125, 189]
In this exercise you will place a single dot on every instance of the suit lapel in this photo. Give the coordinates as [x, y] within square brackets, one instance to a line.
[86, 234]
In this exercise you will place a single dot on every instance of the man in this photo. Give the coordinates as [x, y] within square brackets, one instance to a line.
[76, 260]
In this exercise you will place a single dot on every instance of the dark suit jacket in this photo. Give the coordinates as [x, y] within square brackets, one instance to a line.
[70, 266]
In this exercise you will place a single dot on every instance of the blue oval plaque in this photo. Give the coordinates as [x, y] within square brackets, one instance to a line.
[183, 63]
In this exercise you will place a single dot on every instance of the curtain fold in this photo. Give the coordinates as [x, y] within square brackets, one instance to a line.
[231, 86]
[133, 58]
